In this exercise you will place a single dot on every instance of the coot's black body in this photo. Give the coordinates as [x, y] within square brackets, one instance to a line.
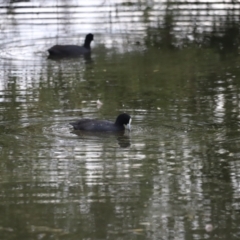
[103, 125]
[71, 50]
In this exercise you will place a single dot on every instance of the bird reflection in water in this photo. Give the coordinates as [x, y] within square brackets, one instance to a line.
[122, 138]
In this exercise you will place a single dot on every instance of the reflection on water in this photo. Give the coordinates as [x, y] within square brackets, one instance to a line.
[175, 174]
[122, 139]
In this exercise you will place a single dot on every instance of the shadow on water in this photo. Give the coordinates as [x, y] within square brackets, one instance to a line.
[123, 138]
[86, 57]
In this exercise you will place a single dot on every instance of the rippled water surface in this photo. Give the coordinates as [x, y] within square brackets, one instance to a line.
[174, 176]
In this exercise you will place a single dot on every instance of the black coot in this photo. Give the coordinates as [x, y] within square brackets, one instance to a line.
[123, 121]
[71, 50]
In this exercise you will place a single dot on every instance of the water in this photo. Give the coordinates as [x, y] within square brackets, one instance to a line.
[174, 176]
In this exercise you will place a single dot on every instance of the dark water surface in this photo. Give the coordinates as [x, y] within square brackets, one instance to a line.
[174, 176]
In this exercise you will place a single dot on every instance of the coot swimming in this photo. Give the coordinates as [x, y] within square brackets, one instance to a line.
[122, 122]
[71, 50]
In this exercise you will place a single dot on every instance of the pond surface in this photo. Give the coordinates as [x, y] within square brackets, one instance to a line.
[174, 176]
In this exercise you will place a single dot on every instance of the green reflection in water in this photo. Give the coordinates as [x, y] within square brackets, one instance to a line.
[176, 172]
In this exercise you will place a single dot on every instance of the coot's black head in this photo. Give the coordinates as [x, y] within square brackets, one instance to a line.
[88, 40]
[124, 120]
